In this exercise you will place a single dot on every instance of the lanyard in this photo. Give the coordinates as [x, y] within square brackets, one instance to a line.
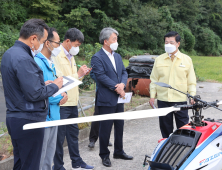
[54, 75]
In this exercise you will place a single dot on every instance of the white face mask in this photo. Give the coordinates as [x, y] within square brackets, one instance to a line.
[55, 52]
[39, 49]
[74, 50]
[169, 48]
[114, 46]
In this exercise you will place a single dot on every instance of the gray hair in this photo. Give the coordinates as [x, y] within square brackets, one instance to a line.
[106, 33]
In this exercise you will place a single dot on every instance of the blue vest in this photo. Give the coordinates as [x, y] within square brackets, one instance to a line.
[49, 74]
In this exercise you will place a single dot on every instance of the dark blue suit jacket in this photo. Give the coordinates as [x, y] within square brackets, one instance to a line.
[107, 77]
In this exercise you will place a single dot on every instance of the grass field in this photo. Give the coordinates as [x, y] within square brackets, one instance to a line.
[125, 62]
[208, 68]
[82, 62]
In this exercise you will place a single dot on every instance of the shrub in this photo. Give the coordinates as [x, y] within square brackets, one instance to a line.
[7, 38]
[208, 43]
[129, 52]
[87, 51]
[12, 12]
[2, 51]
[8, 35]
[61, 28]
[187, 38]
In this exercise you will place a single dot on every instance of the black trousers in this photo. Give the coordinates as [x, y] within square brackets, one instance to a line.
[105, 130]
[94, 131]
[71, 132]
[27, 144]
[166, 122]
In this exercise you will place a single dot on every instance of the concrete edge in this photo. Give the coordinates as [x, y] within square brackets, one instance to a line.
[8, 163]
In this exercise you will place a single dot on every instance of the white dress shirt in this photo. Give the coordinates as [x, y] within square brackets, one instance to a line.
[33, 54]
[49, 61]
[69, 56]
[111, 57]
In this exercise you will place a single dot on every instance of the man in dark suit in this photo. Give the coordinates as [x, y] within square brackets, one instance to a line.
[94, 130]
[112, 78]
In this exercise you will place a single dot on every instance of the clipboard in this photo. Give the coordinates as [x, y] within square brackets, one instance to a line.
[70, 83]
[67, 81]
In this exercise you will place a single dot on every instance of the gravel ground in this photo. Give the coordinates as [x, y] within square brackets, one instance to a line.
[141, 136]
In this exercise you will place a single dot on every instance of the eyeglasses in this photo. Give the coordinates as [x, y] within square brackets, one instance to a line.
[171, 42]
[55, 42]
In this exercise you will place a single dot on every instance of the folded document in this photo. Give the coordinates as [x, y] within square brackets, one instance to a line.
[126, 98]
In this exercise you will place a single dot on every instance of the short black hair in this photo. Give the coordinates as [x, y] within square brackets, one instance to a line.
[74, 34]
[50, 33]
[173, 34]
[33, 27]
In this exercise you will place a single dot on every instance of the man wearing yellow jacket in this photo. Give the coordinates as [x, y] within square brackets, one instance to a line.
[66, 66]
[175, 69]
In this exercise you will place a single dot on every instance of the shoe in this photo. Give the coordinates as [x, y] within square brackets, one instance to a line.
[106, 162]
[60, 168]
[91, 144]
[83, 166]
[110, 144]
[123, 156]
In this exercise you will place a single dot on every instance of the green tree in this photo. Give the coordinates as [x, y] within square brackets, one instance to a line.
[45, 9]
[187, 38]
[12, 12]
[208, 43]
[81, 19]
[212, 16]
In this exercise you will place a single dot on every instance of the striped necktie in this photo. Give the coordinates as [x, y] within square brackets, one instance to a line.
[172, 57]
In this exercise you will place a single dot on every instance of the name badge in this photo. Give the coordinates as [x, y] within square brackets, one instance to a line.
[181, 65]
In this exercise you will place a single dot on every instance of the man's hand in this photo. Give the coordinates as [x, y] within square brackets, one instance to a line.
[48, 82]
[64, 99]
[59, 82]
[120, 88]
[89, 69]
[152, 102]
[83, 70]
[122, 94]
[192, 101]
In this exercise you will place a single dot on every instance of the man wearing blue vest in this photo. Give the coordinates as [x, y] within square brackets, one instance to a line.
[43, 59]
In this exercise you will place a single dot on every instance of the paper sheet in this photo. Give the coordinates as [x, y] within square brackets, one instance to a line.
[126, 98]
[69, 86]
[154, 107]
